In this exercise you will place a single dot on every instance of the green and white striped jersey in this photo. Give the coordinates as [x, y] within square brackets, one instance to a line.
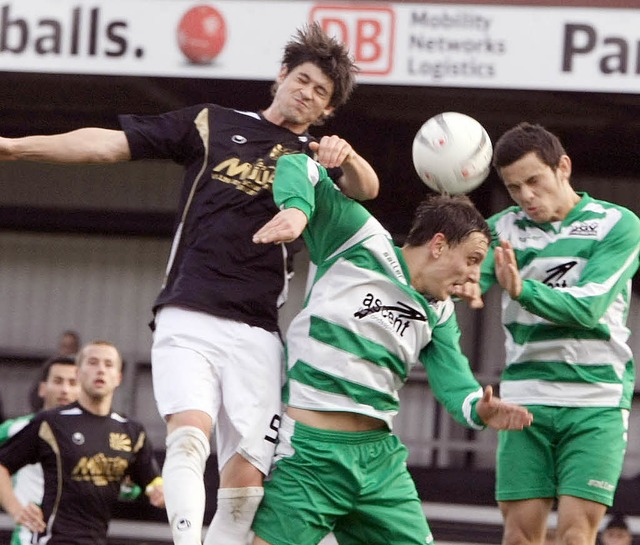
[28, 482]
[363, 326]
[566, 335]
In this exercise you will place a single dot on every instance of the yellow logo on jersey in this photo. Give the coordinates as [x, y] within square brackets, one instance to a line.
[120, 441]
[250, 178]
[100, 469]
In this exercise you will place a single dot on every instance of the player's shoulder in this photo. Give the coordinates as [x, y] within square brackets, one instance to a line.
[10, 427]
[122, 420]
[599, 205]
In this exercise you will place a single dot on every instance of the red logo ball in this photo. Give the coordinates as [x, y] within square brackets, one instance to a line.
[202, 33]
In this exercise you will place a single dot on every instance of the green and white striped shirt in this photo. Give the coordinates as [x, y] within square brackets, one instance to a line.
[28, 482]
[363, 326]
[566, 334]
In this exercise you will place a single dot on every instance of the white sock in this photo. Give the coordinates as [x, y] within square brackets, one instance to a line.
[183, 481]
[231, 525]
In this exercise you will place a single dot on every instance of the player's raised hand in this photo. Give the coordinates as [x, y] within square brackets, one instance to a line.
[507, 271]
[286, 226]
[331, 151]
[499, 415]
[31, 517]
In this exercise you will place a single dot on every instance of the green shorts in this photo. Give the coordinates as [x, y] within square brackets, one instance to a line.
[355, 484]
[573, 451]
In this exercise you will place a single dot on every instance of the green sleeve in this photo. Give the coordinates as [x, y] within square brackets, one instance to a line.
[449, 374]
[607, 274]
[129, 491]
[295, 180]
[300, 182]
[12, 426]
[488, 269]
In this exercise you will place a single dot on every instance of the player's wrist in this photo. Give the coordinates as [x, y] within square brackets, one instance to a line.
[152, 485]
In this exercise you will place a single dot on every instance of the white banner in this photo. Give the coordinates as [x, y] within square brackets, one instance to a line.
[546, 48]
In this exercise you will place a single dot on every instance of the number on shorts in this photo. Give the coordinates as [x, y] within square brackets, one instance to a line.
[274, 425]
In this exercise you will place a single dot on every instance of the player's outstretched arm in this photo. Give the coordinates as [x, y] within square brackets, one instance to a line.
[359, 180]
[29, 516]
[286, 226]
[88, 145]
[499, 415]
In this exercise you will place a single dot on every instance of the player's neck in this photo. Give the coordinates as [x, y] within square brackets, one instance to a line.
[100, 406]
[272, 115]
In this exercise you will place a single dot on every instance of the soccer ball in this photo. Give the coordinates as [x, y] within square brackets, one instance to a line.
[452, 153]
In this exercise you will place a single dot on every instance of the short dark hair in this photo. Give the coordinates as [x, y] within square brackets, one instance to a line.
[312, 44]
[617, 520]
[455, 216]
[526, 138]
[47, 365]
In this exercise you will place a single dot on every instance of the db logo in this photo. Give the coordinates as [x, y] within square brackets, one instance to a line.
[202, 33]
[368, 32]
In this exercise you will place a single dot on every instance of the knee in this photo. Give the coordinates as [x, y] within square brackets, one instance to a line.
[517, 535]
[188, 443]
[574, 535]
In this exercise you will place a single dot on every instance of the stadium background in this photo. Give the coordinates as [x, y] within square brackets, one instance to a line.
[84, 247]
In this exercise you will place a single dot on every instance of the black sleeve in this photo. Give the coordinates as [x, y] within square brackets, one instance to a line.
[144, 467]
[24, 447]
[172, 135]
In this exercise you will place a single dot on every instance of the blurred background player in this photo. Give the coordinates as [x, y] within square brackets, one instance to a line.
[217, 354]
[565, 262]
[57, 386]
[86, 451]
[616, 531]
[338, 466]
[69, 343]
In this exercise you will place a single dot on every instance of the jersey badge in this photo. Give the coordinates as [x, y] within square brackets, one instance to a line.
[120, 441]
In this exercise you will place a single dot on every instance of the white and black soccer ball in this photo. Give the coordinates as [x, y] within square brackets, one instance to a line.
[452, 153]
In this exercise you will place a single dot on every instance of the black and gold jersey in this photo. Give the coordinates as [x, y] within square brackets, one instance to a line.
[84, 458]
[229, 159]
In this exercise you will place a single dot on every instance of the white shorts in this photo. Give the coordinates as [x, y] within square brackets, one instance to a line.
[227, 369]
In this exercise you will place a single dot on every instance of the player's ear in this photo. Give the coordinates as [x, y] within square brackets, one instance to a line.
[328, 111]
[437, 244]
[282, 74]
[564, 167]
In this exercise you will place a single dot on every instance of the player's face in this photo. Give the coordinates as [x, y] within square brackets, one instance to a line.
[61, 386]
[616, 536]
[68, 345]
[543, 193]
[100, 371]
[449, 266]
[302, 96]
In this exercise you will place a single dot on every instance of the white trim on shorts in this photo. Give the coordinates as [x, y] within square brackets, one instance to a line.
[230, 370]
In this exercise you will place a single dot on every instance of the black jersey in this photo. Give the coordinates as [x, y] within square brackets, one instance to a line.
[84, 458]
[229, 158]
